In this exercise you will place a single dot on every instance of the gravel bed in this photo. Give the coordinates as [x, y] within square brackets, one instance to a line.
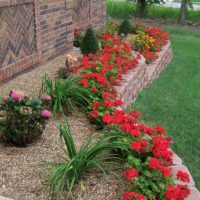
[18, 177]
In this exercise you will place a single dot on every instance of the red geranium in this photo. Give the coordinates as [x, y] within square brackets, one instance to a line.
[130, 173]
[140, 145]
[154, 163]
[183, 176]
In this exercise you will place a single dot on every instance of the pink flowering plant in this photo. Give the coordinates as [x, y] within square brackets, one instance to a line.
[22, 119]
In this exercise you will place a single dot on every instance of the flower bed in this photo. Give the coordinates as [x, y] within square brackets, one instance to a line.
[148, 158]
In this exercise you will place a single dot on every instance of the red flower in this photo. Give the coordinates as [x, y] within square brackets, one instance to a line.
[130, 173]
[118, 103]
[135, 113]
[75, 32]
[129, 195]
[177, 192]
[84, 82]
[94, 89]
[171, 192]
[183, 192]
[107, 118]
[140, 145]
[96, 105]
[183, 176]
[93, 114]
[160, 130]
[165, 171]
[154, 163]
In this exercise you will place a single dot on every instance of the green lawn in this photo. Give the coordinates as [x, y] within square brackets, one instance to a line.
[120, 9]
[173, 100]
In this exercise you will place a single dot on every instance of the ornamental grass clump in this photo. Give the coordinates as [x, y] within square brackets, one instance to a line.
[94, 154]
[66, 94]
[89, 43]
[22, 118]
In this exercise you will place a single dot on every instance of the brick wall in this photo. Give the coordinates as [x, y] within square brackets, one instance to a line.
[33, 31]
[89, 12]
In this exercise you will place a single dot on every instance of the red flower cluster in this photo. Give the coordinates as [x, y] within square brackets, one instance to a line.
[104, 70]
[133, 196]
[183, 176]
[177, 192]
[130, 173]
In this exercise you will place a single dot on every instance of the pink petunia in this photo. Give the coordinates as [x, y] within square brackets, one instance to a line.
[46, 114]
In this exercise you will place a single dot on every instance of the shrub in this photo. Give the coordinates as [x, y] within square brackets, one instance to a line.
[89, 43]
[125, 27]
[23, 119]
[94, 154]
[77, 40]
[65, 94]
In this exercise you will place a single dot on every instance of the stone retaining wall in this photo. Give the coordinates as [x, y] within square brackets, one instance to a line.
[142, 75]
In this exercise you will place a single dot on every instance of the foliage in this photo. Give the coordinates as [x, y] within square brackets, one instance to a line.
[66, 95]
[125, 27]
[22, 119]
[126, 10]
[94, 154]
[77, 40]
[89, 43]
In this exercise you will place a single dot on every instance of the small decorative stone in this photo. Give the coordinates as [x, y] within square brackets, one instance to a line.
[71, 59]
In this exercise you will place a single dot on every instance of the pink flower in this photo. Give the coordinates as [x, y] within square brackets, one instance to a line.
[46, 114]
[47, 98]
[16, 95]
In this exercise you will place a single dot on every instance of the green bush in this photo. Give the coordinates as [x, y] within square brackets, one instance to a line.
[94, 154]
[125, 27]
[89, 43]
[77, 40]
[66, 94]
[22, 119]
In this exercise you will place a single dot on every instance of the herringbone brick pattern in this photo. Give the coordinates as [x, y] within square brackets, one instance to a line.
[81, 10]
[17, 33]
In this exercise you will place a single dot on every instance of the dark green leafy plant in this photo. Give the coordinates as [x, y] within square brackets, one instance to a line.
[77, 40]
[66, 95]
[22, 119]
[94, 154]
[125, 27]
[89, 43]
